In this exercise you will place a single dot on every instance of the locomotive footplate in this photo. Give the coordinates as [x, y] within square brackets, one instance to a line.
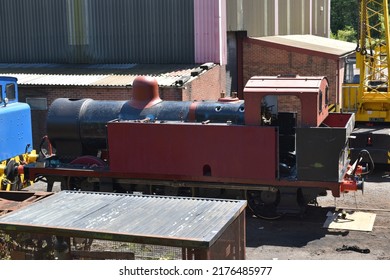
[287, 197]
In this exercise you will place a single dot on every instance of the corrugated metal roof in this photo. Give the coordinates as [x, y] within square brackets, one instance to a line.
[110, 75]
[160, 220]
[312, 43]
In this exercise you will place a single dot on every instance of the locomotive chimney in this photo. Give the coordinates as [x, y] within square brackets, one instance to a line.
[145, 92]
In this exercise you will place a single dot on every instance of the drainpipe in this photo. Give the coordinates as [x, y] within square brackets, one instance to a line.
[240, 37]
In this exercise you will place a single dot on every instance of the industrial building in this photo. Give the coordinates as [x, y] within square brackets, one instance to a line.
[196, 49]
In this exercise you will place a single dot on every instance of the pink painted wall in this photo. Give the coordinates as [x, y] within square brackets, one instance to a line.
[210, 31]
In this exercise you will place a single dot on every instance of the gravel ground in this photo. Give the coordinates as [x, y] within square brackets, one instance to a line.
[306, 238]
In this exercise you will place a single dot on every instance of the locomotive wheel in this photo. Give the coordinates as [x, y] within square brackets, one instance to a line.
[11, 181]
[81, 183]
[264, 203]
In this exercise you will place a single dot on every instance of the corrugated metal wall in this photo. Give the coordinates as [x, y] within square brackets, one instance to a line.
[259, 15]
[210, 31]
[97, 31]
[24, 35]
[294, 17]
[321, 18]
[279, 17]
[145, 31]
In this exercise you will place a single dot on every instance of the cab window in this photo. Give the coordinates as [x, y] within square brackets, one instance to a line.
[10, 92]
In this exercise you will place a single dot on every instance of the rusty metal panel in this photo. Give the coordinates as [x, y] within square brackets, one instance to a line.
[158, 220]
[232, 243]
[13, 200]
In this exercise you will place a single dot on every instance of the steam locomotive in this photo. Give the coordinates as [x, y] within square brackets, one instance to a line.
[280, 161]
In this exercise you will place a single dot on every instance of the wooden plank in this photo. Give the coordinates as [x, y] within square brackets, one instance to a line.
[352, 220]
[13, 200]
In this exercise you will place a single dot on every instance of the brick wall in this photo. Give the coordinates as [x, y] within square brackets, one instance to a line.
[266, 60]
[261, 60]
[208, 86]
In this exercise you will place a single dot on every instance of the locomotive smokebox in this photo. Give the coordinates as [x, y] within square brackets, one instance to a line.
[78, 126]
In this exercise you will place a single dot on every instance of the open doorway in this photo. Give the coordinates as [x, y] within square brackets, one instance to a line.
[284, 112]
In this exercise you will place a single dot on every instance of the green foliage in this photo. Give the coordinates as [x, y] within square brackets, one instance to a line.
[344, 20]
[348, 33]
[344, 13]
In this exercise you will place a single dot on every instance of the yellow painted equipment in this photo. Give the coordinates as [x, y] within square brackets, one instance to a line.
[366, 90]
[15, 183]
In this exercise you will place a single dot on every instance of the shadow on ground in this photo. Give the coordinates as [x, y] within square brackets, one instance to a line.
[289, 231]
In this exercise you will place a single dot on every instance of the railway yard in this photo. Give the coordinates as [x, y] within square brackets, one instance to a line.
[92, 153]
[284, 131]
[306, 238]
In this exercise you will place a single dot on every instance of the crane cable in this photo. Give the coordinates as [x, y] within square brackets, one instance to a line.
[363, 14]
[358, 49]
[362, 27]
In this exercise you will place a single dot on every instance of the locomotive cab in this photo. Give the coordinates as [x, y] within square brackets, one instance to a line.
[313, 144]
[306, 128]
[288, 103]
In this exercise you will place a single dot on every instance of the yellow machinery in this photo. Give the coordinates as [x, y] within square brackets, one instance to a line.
[366, 90]
[9, 182]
